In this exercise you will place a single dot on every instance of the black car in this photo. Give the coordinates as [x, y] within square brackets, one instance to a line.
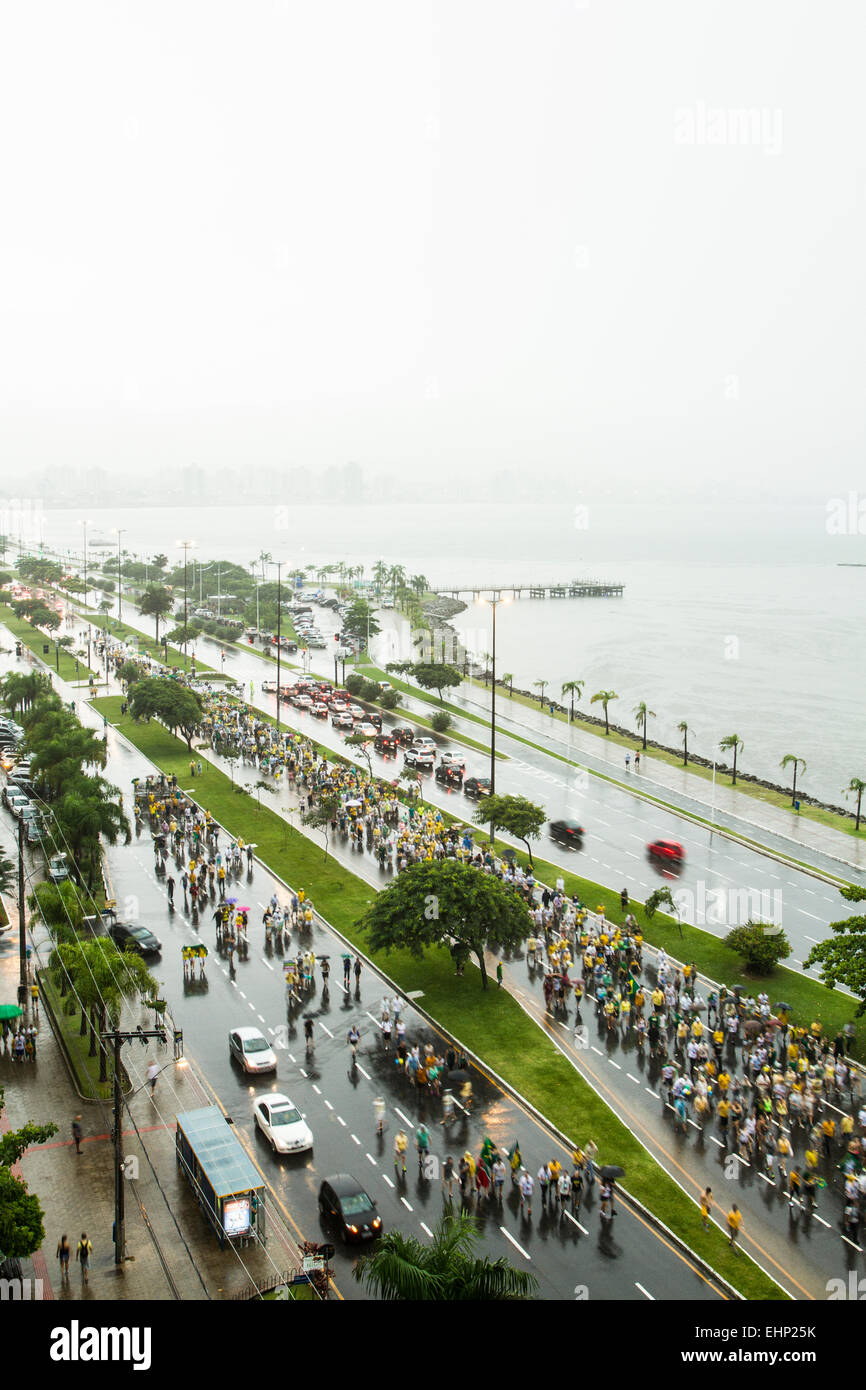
[344, 1203]
[375, 719]
[386, 743]
[404, 736]
[477, 786]
[567, 832]
[449, 776]
[132, 938]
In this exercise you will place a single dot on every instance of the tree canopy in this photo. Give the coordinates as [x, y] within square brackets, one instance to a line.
[176, 706]
[516, 814]
[842, 956]
[445, 1269]
[435, 675]
[436, 904]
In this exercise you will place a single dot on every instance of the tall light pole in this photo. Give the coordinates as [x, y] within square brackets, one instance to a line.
[493, 603]
[119, 530]
[186, 547]
[279, 565]
[85, 524]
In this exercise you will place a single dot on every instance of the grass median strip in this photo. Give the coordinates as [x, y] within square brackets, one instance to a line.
[69, 668]
[491, 1023]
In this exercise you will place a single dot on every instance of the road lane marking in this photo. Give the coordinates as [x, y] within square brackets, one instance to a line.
[372, 1159]
[259, 1017]
[316, 1089]
[243, 996]
[404, 1118]
[509, 1236]
[427, 1230]
[271, 1031]
[577, 1223]
[342, 1121]
[365, 1074]
[596, 1049]
[650, 1296]
[614, 1064]
[717, 1141]
[406, 1204]
[266, 962]
[327, 1030]
[329, 1105]
[292, 1058]
[813, 939]
[633, 1078]
[357, 1140]
[649, 1090]
[252, 1006]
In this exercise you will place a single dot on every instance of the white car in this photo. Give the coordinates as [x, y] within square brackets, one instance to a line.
[282, 1124]
[252, 1049]
[419, 757]
[357, 712]
[447, 759]
[368, 730]
[269, 687]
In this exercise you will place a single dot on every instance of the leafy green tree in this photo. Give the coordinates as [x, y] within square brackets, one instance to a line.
[322, 815]
[89, 808]
[435, 675]
[433, 904]
[362, 743]
[842, 956]
[20, 693]
[441, 721]
[857, 787]
[36, 612]
[735, 743]
[604, 698]
[507, 678]
[360, 620]
[15, 1142]
[445, 1269]
[759, 945]
[58, 757]
[517, 815]
[176, 706]
[684, 730]
[642, 713]
[662, 897]
[8, 873]
[22, 1228]
[155, 603]
[389, 699]
[59, 906]
[575, 690]
[182, 636]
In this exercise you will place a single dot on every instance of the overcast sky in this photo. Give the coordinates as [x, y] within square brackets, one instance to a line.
[465, 234]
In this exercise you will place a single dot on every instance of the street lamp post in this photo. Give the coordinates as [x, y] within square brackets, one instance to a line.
[186, 546]
[493, 603]
[279, 565]
[85, 524]
[119, 530]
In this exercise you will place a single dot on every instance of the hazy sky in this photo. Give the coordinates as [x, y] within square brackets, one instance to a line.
[455, 234]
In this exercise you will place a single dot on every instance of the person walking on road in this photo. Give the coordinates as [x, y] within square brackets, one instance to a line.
[401, 1143]
[64, 1250]
[169, 883]
[735, 1223]
[526, 1190]
[706, 1207]
[82, 1255]
[357, 969]
[152, 1074]
[76, 1133]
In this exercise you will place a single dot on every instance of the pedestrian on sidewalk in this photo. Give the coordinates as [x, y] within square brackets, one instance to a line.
[82, 1255]
[76, 1133]
[735, 1222]
[152, 1074]
[64, 1250]
[499, 974]
[34, 999]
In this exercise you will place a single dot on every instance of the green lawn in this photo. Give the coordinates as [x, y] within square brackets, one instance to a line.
[66, 666]
[491, 1023]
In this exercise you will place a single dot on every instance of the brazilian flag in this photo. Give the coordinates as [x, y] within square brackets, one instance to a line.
[489, 1151]
[515, 1158]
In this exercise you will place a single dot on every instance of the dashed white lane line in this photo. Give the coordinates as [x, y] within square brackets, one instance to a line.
[316, 1089]
[509, 1236]
[614, 1064]
[271, 1031]
[259, 1017]
[426, 1230]
[406, 1204]
[373, 1018]
[717, 1141]
[649, 1090]
[387, 1179]
[327, 1030]
[266, 962]
[764, 1177]
[596, 1049]
[635, 1079]
[342, 1121]
[292, 1059]
[365, 1074]
[851, 1243]
[357, 1140]
[827, 1224]
[813, 939]
[650, 1296]
[329, 1105]
[575, 1221]
[810, 914]
[372, 1159]
[234, 984]
[243, 996]
[404, 1118]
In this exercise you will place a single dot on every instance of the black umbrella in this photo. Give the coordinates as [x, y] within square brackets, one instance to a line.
[782, 1007]
[612, 1170]
[459, 1075]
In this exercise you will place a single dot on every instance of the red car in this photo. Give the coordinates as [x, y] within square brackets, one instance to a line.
[670, 851]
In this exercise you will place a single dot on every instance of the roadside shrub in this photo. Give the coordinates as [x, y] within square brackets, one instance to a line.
[441, 721]
[389, 699]
[760, 945]
[355, 683]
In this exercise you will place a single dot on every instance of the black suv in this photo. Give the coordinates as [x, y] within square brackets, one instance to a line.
[477, 786]
[449, 776]
[386, 743]
[404, 736]
[567, 832]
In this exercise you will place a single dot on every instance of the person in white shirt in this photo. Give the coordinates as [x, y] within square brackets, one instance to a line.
[526, 1189]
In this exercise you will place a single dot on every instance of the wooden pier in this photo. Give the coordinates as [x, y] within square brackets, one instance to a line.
[576, 588]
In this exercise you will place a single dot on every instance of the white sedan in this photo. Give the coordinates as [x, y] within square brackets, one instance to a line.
[282, 1124]
[368, 730]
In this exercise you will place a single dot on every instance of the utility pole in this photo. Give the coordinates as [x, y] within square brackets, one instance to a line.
[279, 564]
[120, 530]
[118, 1038]
[186, 546]
[22, 929]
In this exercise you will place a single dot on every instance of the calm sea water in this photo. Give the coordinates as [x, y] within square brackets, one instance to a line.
[735, 617]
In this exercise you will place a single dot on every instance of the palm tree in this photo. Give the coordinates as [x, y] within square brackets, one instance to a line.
[641, 715]
[508, 677]
[734, 742]
[684, 730]
[420, 583]
[855, 785]
[446, 1269]
[539, 685]
[788, 759]
[155, 603]
[573, 688]
[486, 658]
[605, 696]
[380, 575]
[396, 576]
